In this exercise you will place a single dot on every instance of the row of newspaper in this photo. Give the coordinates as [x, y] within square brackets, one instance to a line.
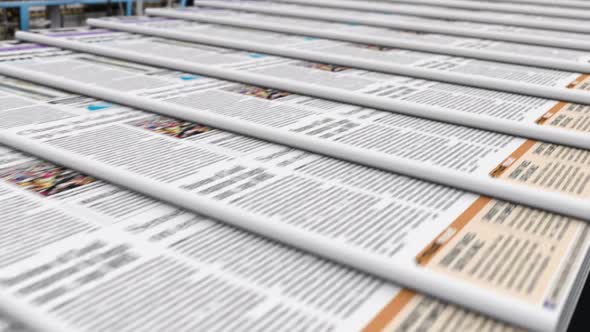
[226, 167]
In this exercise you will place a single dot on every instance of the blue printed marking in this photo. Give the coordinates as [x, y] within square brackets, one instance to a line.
[189, 77]
[256, 55]
[98, 107]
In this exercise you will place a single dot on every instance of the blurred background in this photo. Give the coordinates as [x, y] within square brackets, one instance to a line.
[38, 14]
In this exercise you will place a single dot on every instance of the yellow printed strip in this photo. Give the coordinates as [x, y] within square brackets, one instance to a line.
[550, 113]
[514, 156]
[390, 311]
[443, 238]
[578, 81]
[560, 105]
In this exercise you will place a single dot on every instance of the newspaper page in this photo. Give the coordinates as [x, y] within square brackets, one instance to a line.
[429, 66]
[468, 153]
[278, 286]
[482, 108]
[507, 31]
[579, 4]
[470, 15]
[382, 36]
[455, 104]
[566, 115]
[520, 8]
[409, 231]
[231, 277]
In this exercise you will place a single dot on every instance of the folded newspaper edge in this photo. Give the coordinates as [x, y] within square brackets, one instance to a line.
[528, 130]
[390, 41]
[563, 3]
[529, 21]
[556, 10]
[559, 93]
[383, 20]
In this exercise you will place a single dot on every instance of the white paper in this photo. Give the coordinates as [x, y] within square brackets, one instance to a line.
[199, 169]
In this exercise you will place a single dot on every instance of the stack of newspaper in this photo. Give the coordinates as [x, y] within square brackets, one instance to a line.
[295, 165]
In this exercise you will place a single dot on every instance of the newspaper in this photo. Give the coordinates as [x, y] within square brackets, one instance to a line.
[525, 80]
[481, 16]
[491, 110]
[408, 39]
[484, 162]
[85, 252]
[542, 35]
[285, 281]
[511, 262]
[519, 8]
[564, 3]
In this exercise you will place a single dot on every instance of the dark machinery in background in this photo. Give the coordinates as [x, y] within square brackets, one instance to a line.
[36, 14]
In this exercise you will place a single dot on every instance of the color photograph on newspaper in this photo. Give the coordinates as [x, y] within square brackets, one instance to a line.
[259, 92]
[323, 66]
[170, 126]
[45, 178]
